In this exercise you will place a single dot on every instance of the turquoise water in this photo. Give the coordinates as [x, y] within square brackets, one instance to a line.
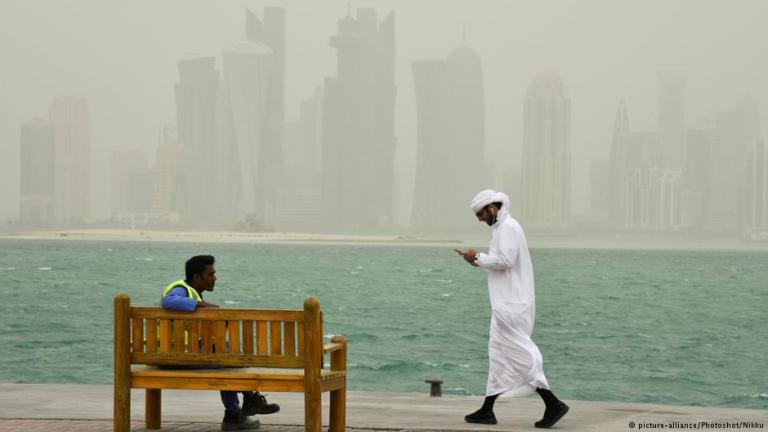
[673, 327]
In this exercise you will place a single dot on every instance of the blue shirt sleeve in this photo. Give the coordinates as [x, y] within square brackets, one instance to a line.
[178, 300]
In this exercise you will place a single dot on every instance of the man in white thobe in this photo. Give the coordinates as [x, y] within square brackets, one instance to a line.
[515, 364]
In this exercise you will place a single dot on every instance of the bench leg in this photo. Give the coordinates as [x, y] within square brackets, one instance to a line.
[313, 414]
[152, 404]
[338, 417]
[122, 409]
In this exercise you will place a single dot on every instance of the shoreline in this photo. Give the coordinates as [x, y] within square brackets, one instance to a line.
[224, 237]
[535, 240]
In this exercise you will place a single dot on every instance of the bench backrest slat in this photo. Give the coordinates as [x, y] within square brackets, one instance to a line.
[231, 337]
[247, 337]
[300, 333]
[206, 335]
[233, 332]
[220, 334]
[261, 337]
[178, 336]
[193, 333]
[165, 335]
[151, 325]
[289, 330]
[137, 328]
[275, 338]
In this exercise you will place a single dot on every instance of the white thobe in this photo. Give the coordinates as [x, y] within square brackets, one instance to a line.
[515, 363]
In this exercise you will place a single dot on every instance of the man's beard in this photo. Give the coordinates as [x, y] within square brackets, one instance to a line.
[492, 219]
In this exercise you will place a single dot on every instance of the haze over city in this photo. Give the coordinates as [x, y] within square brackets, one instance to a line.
[385, 117]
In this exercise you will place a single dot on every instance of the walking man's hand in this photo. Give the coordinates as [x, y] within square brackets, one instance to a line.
[469, 256]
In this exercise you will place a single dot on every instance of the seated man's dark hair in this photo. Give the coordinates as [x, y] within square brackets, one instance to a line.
[497, 205]
[196, 265]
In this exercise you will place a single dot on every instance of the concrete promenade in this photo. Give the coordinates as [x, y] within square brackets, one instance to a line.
[57, 407]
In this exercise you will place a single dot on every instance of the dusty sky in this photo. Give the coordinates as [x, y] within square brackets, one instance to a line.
[122, 57]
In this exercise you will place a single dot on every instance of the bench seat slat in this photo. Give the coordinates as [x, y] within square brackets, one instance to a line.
[265, 373]
[333, 382]
[239, 384]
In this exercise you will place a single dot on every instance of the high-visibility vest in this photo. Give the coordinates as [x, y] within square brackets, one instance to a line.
[191, 292]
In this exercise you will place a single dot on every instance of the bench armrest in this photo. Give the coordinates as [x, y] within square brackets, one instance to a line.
[338, 350]
[331, 347]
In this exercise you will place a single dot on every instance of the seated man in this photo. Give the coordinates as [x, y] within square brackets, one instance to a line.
[187, 295]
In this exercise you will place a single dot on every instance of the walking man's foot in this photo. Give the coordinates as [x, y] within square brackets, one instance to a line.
[482, 417]
[552, 415]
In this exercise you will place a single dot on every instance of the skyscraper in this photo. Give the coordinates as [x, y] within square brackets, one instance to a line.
[672, 123]
[271, 32]
[299, 203]
[247, 73]
[38, 168]
[738, 129]
[71, 121]
[599, 176]
[231, 129]
[619, 165]
[358, 125]
[451, 129]
[196, 96]
[697, 181]
[664, 198]
[641, 156]
[547, 153]
[128, 168]
[756, 192]
[168, 176]
[673, 132]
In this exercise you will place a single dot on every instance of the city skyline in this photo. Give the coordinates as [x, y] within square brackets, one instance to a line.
[503, 152]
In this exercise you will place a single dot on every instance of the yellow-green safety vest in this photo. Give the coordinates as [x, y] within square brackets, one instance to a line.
[191, 292]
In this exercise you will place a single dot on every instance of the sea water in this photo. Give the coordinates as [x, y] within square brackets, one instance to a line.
[669, 327]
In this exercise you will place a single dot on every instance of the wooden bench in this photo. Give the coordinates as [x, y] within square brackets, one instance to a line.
[264, 350]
